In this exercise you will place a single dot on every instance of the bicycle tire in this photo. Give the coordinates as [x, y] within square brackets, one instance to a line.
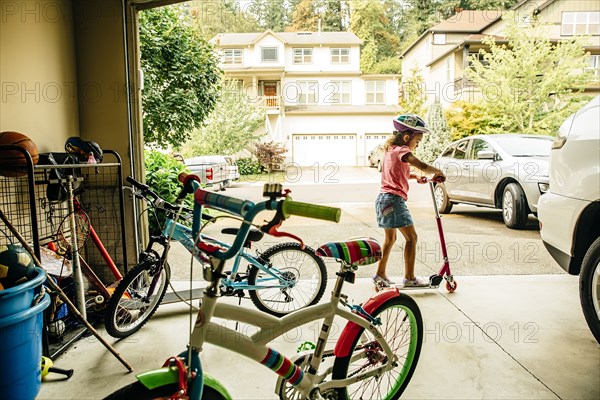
[138, 391]
[124, 315]
[298, 262]
[405, 338]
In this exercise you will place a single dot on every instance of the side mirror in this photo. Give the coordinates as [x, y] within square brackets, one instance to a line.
[486, 155]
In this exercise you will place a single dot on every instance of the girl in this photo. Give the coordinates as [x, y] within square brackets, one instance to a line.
[392, 213]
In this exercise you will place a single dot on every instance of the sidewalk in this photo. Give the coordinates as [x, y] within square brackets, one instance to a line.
[497, 337]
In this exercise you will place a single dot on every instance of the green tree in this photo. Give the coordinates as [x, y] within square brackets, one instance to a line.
[305, 17]
[526, 82]
[181, 76]
[466, 119]
[230, 128]
[438, 137]
[222, 16]
[369, 23]
[413, 93]
[271, 14]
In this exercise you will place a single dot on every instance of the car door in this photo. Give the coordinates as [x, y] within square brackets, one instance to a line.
[455, 169]
[481, 171]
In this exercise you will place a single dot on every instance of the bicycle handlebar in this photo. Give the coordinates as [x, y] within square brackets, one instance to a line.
[290, 207]
[154, 198]
[248, 211]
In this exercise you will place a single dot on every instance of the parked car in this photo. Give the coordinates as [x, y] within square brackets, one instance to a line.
[212, 173]
[376, 157]
[570, 212]
[505, 171]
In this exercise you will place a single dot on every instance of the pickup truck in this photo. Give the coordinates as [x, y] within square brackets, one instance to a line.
[212, 173]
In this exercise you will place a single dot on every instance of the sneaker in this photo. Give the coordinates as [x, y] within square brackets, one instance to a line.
[419, 281]
[382, 283]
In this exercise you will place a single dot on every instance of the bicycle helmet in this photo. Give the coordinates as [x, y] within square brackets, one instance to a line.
[410, 123]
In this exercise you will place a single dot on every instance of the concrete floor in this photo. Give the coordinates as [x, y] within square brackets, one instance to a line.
[496, 337]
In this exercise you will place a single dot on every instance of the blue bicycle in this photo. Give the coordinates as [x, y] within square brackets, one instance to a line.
[282, 279]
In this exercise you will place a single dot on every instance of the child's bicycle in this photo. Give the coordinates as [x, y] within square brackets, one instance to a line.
[282, 279]
[374, 357]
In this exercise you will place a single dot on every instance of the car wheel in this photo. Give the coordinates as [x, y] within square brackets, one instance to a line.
[379, 166]
[441, 199]
[589, 288]
[514, 206]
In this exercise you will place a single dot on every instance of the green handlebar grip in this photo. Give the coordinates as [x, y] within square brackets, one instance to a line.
[326, 213]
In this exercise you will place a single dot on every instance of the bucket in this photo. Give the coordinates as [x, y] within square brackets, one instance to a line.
[20, 297]
[21, 353]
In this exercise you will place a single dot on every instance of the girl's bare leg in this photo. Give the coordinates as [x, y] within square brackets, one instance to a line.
[410, 250]
[388, 243]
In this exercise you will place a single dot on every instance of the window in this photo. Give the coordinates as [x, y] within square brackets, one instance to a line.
[232, 56]
[479, 57]
[580, 23]
[302, 56]
[461, 150]
[340, 56]
[268, 54]
[449, 150]
[375, 91]
[340, 92]
[439, 38]
[308, 92]
[594, 66]
[479, 145]
[448, 65]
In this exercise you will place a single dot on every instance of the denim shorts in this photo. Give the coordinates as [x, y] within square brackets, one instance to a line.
[392, 211]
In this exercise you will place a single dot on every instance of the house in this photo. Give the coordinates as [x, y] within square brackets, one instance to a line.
[442, 52]
[318, 102]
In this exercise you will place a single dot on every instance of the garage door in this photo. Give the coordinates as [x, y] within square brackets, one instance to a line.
[321, 149]
[373, 139]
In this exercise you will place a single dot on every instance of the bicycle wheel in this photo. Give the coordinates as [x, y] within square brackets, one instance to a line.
[131, 305]
[402, 328]
[138, 391]
[301, 266]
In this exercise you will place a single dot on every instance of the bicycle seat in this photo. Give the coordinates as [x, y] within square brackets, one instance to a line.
[361, 251]
[254, 235]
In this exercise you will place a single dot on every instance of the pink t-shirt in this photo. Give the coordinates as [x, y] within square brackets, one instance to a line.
[395, 172]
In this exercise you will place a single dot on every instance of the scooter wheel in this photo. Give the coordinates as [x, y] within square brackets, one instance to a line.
[451, 286]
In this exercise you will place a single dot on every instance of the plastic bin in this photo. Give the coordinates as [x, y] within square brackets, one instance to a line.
[21, 339]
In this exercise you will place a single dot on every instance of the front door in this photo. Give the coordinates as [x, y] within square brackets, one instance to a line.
[270, 93]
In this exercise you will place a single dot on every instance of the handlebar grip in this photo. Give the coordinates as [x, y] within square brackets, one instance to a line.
[326, 213]
[222, 202]
[135, 183]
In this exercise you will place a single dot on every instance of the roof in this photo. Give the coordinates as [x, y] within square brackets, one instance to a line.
[470, 21]
[292, 38]
[471, 39]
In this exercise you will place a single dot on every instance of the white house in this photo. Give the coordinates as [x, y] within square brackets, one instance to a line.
[319, 104]
[442, 52]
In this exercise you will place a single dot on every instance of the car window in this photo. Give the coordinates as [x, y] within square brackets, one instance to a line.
[449, 150]
[519, 146]
[478, 145]
[461, 150]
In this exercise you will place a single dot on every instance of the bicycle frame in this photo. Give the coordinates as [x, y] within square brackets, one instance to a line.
[270, 328]
[183, 235]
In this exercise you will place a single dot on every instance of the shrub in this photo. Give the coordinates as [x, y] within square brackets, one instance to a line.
[269, 155]
[249, 166]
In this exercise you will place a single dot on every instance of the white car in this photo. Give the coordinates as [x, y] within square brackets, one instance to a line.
[505, 171]
[569, 212]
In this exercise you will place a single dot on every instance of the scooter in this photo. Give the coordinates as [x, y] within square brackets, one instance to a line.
[444, 272]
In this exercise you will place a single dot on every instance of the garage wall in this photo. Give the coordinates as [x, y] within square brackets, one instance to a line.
[38, 78]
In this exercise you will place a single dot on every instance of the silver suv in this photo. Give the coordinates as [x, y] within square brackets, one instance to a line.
[506, 171]
[570, 212]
